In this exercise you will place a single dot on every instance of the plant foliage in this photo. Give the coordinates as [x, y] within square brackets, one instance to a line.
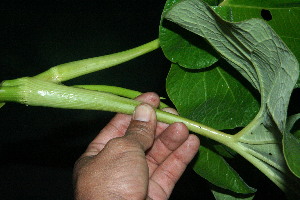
[255, 50]
[234, 67]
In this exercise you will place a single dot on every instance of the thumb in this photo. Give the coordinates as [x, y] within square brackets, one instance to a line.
[142, 127]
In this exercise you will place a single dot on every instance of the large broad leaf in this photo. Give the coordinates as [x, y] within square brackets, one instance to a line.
[215, 169]
[252, 47]
[266, 146]
[182, 47]
[212, 97]
[281, 15]
[256, 51]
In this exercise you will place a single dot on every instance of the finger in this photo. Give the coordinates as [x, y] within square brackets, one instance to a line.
[118, 125]
[174, 136]
[142, 127]
[162, 126]
[168, 173]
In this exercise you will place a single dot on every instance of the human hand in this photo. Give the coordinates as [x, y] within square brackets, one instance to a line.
[136, 158]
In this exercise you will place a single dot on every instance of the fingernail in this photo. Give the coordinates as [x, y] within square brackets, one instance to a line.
[143, 113]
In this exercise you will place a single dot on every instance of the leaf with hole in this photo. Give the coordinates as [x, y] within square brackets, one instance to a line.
[251, 47]
[282, 16]
[254, 49]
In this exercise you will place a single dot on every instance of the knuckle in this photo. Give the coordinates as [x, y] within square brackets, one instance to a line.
[140, 128]
[141, 131]
[119, 145]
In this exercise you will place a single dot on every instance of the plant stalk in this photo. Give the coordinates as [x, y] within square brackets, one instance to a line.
[75, 69]
[35, 92]
[123, 92]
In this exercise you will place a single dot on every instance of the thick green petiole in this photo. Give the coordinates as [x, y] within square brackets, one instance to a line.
[123, 92]
[35, 92]
[75, 69]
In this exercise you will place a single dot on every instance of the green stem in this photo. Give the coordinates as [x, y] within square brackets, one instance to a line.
[250, 127]
[111, 89]
[34, 92]
[75, 69]
[123, 92]
[279, 178]
[196, 127]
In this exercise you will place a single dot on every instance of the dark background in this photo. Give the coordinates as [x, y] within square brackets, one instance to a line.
[39, 145]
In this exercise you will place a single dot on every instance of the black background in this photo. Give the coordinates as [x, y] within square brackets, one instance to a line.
[39, 145]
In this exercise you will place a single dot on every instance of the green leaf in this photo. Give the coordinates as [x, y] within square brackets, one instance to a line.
[292, 151]
[282, 16]
[252, 47]
[212, 97]
[291, 121]
[216, 170]
[297, 134]
[224, 151]
[266, 146]
[257, 52]
[1, 105]
[292, 146]
[259, 135]
[265, 4]
[221, 194]
[182, 47]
